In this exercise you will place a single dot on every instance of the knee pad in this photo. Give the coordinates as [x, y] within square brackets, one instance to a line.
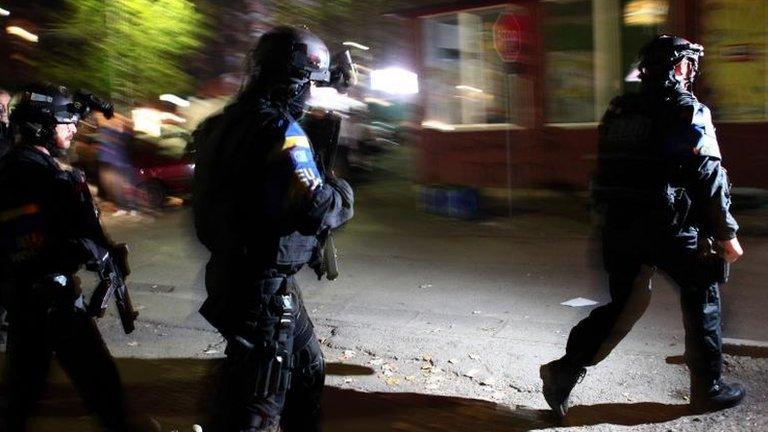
[309, 366]
[304, 398]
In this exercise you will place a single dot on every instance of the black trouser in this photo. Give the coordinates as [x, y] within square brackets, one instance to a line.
[48, 320]
[631, 262]
[295, 407]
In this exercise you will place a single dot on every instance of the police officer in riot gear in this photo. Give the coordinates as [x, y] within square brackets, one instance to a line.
[664, 199]
[42, 235]
[260, 206]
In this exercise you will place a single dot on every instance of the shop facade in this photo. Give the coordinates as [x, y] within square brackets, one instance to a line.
[512, 92]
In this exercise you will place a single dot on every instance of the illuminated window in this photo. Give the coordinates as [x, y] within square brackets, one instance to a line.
[466, 80]
[569, 61]
[590, 52]
[642, 20]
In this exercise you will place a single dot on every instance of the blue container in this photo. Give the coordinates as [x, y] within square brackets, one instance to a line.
[455, 202]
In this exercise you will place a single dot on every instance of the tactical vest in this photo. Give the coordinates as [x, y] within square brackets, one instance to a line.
[637, 177]
[38, 214]
[238, 198]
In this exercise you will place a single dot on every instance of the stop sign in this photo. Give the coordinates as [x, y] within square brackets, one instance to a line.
[508, 34]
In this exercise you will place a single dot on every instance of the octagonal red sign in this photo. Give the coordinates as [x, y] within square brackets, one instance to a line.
[508, 36]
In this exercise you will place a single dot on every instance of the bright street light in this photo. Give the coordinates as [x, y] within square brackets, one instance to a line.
[174, 100]
[394, 80]
[4, 12]
[356, 45]
[20, 32]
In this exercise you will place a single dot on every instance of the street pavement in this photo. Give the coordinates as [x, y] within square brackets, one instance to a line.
[437, 324]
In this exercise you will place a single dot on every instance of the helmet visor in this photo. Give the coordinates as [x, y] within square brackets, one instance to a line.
[66, 113]
[313, 59]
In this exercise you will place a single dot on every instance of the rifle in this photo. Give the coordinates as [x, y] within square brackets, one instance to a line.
[109, 260]
[112, 267]
[343, 75]
[324, 135]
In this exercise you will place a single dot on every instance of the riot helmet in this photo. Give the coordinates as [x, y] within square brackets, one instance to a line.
[42, 106]
[658, 58]
[283, 63]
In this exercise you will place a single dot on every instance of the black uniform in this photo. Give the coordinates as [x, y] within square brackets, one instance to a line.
[5, 139]
[40, 251]
[664, 199]
[662, 190]
[5, 146]
[260, 205]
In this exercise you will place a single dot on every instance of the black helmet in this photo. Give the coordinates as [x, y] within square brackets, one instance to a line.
[281, 66]
[658, 58]
[42, 106]
[291, 55]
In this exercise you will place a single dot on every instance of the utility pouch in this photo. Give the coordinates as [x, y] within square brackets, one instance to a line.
[274, 372]
[295, 248]
[271, 376]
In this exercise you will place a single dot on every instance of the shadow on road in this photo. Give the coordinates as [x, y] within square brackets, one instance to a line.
[350, 410]
[629, 414]
[177, 392]
[734, 350]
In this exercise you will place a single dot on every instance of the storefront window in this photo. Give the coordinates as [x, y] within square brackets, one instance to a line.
[590, 49]
[466, 81]
[569, 62]
[735, 65]
[642, 20]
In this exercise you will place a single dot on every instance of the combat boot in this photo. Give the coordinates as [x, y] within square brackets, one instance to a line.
[559, 377]
[716, 396]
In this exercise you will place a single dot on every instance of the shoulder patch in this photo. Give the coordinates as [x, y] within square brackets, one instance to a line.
[300, 156]
[295, 137]
[704, 132]
[295, 141]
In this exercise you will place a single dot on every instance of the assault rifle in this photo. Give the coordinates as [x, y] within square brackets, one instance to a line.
[108, 260]
[112, 267]
[323, 131]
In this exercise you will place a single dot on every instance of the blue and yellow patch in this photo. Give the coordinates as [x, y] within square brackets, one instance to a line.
[295, 141]
[295, 137]
[297, 145]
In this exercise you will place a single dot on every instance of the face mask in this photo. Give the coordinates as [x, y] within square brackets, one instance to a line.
[297, 104]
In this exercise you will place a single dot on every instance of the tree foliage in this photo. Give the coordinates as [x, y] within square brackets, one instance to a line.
[128, 49]
[341, 19]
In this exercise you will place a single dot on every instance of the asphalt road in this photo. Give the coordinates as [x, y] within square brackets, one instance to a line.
[437, 324]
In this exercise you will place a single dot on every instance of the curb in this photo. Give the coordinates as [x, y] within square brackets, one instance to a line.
[745, 347]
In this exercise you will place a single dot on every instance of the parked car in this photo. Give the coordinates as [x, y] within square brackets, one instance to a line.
[163, 166]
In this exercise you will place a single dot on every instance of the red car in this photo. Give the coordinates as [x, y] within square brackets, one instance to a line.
[163, 166]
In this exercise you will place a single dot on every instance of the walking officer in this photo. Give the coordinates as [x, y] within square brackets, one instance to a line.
[48, 230]
[260, 206]
[664, 199]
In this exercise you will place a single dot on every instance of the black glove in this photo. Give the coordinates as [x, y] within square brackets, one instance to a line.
[344, 189]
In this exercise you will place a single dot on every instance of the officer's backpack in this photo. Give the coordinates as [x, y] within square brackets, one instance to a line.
[223, 144]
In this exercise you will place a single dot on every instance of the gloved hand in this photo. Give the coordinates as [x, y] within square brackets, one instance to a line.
[344, 189]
